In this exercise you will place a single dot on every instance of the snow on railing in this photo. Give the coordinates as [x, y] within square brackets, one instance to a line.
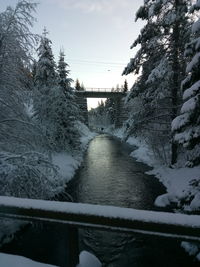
[98, 89]
[143, 222]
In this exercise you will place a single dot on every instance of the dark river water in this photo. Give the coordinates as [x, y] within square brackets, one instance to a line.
[108, 176]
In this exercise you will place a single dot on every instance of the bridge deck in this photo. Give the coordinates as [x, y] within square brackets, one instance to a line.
[100, 93]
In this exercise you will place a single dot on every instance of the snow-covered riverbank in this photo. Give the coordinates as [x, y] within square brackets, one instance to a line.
[67, 162]
[182, 184]
[86, 259]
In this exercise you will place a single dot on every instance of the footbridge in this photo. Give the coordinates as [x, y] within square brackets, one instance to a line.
[117, 96]
[100, 93]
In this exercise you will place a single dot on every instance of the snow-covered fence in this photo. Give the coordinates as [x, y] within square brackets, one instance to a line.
[138, 222]
[145, 222]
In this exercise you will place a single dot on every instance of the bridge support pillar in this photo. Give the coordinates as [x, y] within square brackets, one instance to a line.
[121, 112]
[82, 103]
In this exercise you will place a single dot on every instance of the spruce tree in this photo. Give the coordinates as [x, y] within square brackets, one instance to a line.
[78, 87]
[186, 126]
[63, 73]
[66, 109]
[45, 81]
[158, 86]
[125, 86]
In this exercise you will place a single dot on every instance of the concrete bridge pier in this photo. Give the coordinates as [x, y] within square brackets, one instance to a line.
[82, 103]
[121, 113]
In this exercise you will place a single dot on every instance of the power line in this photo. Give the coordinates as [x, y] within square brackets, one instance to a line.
[97, 62]
[96, 65]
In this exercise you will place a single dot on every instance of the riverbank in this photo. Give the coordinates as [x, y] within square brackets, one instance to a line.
[182, 184]
[68, 162]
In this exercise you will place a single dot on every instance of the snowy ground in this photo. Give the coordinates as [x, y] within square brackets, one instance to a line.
[6, 260]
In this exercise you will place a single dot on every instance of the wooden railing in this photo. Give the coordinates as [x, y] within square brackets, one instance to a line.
[139, 222]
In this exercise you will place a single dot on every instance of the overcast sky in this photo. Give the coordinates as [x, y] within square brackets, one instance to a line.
[96, 36]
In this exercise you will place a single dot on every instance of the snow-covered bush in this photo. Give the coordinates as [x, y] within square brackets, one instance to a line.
[29, 175]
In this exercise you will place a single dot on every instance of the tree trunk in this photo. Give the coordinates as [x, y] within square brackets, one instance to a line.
[175, 79]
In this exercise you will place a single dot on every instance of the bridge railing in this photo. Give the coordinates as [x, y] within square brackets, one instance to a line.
[139, 222]
[99, 89]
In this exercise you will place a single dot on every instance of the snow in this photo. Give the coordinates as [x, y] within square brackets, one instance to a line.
[187, 135]
[87, 259]
[66, 164]
[196, 26]
[119, 132]
[7, 230]
[86, 134]
[178, 185]
[180, 121]
[193, 63]
[178, 181]
[191, 91]
[142, 153]
[158, 72]
[103, 211]
[192, 249]
[151, 11]
[7, 260]
[189, 105]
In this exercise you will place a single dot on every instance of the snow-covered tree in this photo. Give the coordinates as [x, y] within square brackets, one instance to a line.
[54, 102]
[160, 73]
[16, 42]
[110, 110]
[65, 108]
[125, 86]
[25, 170]
[78, 87]
[45, 80]
[82, 103]
[187, 125]
[63, 73]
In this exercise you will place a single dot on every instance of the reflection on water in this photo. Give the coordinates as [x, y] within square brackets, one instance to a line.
[109, 176]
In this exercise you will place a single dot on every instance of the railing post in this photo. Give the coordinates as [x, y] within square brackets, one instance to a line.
[73, 246]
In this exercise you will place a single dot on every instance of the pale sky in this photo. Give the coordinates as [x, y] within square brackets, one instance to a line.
[96, 36]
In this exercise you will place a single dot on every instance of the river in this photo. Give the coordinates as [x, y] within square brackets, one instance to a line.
[107, 176]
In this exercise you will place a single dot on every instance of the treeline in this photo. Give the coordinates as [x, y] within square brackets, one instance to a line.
[165, 99]
[38, 112]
